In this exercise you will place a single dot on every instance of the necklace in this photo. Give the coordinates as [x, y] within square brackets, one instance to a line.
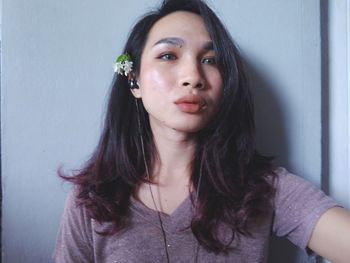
[166, 245]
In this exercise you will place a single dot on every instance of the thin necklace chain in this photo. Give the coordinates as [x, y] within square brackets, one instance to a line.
[153, 199]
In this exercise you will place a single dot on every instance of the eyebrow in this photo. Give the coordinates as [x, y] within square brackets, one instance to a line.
[209, 45]
[176, 41]
[171, 41]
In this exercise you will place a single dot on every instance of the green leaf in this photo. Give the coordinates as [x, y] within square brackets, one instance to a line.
[124, 57]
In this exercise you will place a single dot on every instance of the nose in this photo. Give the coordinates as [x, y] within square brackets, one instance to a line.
[192, 75]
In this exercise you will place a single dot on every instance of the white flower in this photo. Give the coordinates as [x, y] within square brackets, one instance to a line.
[118, 67]
[123, 64]
[127, 67]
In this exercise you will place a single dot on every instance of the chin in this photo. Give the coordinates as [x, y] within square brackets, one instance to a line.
[193, 128]
[187, 130]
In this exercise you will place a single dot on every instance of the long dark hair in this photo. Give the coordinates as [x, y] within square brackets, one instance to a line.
[235, 187]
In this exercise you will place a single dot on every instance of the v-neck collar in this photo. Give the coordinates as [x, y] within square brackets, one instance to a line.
[179, 220]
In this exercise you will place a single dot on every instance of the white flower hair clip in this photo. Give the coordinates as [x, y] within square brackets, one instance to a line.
[123, 64]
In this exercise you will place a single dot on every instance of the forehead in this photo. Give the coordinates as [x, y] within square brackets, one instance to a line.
[179, 24]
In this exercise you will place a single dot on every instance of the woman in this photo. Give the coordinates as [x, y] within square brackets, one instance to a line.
[175, 177]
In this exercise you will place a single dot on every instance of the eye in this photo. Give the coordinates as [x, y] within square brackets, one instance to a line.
[167, 56]
[210, 61]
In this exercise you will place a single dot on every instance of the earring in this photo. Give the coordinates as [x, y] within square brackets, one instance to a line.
[133, 84]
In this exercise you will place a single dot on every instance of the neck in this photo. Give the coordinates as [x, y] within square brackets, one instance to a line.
[175, 154]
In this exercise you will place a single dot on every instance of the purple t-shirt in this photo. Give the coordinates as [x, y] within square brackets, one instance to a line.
[297, 207]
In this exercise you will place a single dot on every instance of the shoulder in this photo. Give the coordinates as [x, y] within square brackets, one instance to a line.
[287, 184]
[74, 240]
[73, 205]
[283, 176]
[75, 213]
[298, 192]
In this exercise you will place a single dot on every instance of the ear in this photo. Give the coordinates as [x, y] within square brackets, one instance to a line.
[136, 93]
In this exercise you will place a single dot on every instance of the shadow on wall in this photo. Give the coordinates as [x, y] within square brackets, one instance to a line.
[272, 140]
[270, 119]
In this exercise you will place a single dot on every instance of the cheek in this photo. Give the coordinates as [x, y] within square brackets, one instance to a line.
[155, 87]
[213, 77]
[217, 87]
[217, 79]
[155, 80]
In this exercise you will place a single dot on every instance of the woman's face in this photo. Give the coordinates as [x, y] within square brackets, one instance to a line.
[180, 84]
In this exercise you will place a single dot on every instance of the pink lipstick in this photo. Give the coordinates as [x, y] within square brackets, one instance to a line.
[190, 103]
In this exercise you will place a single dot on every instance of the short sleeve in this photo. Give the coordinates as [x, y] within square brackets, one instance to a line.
[74, 240]
[298, 207]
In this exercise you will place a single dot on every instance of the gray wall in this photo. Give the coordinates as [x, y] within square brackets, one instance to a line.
[57, 66]
[339, 99]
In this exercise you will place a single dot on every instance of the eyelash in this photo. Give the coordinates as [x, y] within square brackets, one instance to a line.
[211, 59]
[169, 56]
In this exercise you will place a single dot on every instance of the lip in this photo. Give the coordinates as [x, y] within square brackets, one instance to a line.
[190, 103]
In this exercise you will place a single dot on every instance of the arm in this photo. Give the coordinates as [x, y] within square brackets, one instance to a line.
[331, 236]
